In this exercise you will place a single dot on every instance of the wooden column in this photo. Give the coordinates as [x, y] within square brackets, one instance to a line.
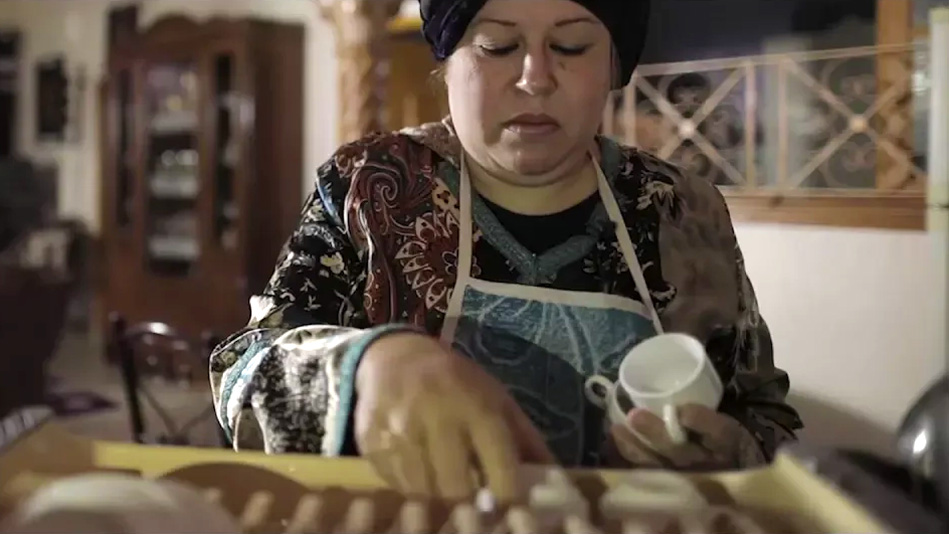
[360, 30]
[894, 25]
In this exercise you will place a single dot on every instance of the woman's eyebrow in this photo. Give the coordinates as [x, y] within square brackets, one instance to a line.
[567, 22]
[511, 24]
[483, 20]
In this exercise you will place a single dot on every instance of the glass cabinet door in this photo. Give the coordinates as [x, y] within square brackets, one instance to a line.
[228, 105]
[172, 172]
[124, 162]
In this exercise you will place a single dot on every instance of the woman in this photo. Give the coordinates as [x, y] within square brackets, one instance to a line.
[450, 287]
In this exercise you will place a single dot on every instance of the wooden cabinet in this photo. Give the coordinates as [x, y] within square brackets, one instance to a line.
[202, 164]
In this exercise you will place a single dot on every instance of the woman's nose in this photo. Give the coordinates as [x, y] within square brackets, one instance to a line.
[537, 77]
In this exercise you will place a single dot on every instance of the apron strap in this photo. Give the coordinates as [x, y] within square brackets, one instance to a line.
[626, 245]
[465, 225]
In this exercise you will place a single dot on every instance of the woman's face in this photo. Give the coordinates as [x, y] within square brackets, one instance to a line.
[527, 86]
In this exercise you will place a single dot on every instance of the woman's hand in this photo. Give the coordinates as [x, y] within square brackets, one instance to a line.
[426, 418]
[716, 441]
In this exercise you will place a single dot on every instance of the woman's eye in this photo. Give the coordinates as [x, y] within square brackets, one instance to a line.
[569, 50]
[497, 51]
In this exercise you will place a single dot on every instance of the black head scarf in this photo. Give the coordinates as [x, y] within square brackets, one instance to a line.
[444, 23]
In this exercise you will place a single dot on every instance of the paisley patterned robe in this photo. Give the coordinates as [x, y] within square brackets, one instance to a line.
[377, 244]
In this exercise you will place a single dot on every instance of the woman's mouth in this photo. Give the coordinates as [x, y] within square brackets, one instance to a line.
[529, 124]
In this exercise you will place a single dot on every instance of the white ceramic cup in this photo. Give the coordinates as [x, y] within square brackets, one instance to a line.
[659, 375]
[603, 393]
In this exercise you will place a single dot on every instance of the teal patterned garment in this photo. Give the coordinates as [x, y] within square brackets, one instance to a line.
[378, 245]
[543, 364]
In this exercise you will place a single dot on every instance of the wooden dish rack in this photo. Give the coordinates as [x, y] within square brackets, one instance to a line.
[304, 494]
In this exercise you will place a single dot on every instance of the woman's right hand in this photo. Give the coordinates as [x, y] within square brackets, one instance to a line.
[429, 419]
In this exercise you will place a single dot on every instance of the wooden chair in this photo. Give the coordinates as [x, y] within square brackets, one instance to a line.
[154, 348]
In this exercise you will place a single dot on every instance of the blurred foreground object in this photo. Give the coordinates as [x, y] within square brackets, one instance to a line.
[802, 491]
[119, 504]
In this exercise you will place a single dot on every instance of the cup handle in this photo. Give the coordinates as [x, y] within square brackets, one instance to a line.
[590, 390]
[670, 416]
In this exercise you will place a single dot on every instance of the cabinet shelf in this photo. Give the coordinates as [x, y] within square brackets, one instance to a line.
[174, 186]
[173, 248]
[174, 123]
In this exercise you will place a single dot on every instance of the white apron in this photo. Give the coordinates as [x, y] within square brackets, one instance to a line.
[544, 343]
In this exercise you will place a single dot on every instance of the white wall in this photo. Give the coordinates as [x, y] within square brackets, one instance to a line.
[856, 319]
[855, 314]
[77, 29]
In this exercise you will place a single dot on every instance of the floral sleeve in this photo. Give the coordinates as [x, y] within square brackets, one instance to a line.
[755, 389]
[757, 394]
[284, 382]
[715, 301]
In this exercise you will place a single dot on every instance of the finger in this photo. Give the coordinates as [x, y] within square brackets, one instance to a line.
[717, 432]
[377, 445]
[631, 448]
[651, 433]
[530, 442]
[651, 430]
[496, 451]
[412, 470]
[406, 439]
[401, 469]
[449, 453]
[412, 465]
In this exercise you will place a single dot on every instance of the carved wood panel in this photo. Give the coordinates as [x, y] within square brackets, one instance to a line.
[361, 38]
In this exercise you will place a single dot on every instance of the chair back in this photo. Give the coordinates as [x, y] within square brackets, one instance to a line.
[150, 351]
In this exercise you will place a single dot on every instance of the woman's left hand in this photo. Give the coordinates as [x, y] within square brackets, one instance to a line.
[715, 441]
